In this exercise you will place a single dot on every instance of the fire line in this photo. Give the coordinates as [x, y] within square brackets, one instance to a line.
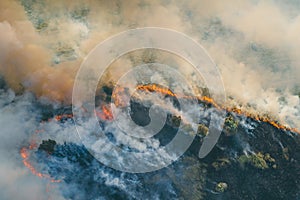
[208, 100]
[106, 114]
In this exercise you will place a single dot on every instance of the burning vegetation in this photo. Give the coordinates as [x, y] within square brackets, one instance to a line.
[104, 113]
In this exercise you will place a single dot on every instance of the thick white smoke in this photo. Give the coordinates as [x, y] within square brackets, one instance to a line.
[255, 45]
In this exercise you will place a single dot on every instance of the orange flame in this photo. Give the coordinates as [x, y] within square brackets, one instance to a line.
[62, 116]
[156, 88]
[25, 154]
[206, 99]
[105, 113]
[116, 96]
[262, 119]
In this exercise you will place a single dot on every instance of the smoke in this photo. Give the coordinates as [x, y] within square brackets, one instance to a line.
[18, 122]
[255, 44]
[258, 58]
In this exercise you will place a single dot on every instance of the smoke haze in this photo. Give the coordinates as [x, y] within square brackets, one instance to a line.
[255, 45]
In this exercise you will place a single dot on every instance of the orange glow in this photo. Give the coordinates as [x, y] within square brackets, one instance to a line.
[60, 117]
[117, 96]
[208, 100]
[156, 88]
[25, 154]
[262, 119]
[32, 145]
[105, 113]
